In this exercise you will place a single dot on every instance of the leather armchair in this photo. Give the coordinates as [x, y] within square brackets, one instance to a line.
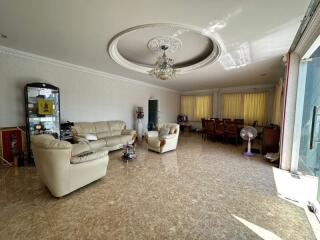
[60, 167]
[164, 143]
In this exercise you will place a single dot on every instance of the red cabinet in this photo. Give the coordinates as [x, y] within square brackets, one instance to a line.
[11, 143]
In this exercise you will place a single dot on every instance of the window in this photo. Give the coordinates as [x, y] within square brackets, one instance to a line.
[276, 115]
[232, 105]
[249, 106]
[255, 108]
[196, 107]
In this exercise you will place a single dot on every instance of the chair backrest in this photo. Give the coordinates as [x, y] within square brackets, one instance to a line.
[226, 120]
[202, 122]
[254, 124]
[220, 126]
[102, 129]
[232, 128]
[209, 125]
[239, 121]
[174, 127]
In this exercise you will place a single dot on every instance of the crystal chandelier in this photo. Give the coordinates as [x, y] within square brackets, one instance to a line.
[163, 68]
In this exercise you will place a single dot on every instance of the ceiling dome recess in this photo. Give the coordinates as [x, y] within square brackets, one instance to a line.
[137, 48]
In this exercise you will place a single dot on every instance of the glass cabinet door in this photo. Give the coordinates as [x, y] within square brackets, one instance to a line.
[42, 103]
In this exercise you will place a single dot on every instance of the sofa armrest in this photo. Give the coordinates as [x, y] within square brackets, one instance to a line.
[78, 139]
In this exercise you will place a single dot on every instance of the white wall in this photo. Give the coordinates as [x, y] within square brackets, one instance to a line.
[86, 94]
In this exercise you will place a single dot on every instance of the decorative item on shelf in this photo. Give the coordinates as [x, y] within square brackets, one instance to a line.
[66, 132]
[139, 123]
[129, 152]
[182, 118]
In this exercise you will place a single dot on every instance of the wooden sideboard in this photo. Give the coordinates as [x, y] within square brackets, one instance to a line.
[270, 140]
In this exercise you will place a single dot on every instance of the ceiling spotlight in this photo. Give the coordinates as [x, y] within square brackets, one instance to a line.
[3, 35]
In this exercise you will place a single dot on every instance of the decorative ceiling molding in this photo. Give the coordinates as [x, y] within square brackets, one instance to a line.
[38, 58]
[172, 43]
[154, 43]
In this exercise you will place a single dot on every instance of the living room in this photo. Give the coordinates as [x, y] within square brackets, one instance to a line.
[152, 124]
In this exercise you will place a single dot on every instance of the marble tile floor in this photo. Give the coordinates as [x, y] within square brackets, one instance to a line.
[203, 190]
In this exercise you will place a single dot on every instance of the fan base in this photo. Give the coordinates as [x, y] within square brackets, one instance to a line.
[248, 154]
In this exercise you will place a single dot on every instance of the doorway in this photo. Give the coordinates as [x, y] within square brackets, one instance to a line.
[153, 114]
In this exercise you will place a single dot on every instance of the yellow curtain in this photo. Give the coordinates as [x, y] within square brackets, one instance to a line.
[232, 105]
[276, 111]
[187, 104]
[255, 108]
[196, 107]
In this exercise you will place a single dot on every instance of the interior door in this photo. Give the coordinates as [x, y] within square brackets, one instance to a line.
[153, 111]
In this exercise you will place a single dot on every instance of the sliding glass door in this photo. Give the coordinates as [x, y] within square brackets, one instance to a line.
[309, 106]
[309, 152]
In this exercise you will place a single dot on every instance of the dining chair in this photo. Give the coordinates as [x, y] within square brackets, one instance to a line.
[232, 132]
[219, 130]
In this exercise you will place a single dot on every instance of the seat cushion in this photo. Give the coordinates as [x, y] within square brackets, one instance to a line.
[90, 156]
[97, 144]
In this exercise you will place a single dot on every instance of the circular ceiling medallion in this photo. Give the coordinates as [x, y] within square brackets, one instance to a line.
[173, 44]
[138, 48]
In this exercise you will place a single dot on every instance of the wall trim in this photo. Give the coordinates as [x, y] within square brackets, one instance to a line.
[39, 58]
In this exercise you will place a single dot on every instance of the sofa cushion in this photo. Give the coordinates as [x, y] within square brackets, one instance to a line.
[101, 135]
[90, 156]
[164, 131]
[102, 126]
[116, 127]
[79, 148]
[89, 136]
[113, 140]
[97, 144]
[84, 127]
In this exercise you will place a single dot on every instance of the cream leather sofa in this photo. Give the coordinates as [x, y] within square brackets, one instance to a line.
[110, 134]
[60, 167]
[164, 143]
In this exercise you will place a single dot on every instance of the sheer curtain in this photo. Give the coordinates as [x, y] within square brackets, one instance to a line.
[255, 108]
[232, 105]
[196, 107]
[276, 111]
[249, 106]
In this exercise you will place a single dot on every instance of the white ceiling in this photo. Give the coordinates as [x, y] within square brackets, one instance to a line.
[253, 34]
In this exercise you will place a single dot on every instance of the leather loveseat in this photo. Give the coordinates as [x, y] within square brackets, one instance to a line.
[110, 134]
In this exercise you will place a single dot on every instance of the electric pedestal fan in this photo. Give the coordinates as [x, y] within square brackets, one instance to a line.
[248, 133]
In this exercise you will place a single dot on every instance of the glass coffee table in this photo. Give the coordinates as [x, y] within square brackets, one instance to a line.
[129, 152]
